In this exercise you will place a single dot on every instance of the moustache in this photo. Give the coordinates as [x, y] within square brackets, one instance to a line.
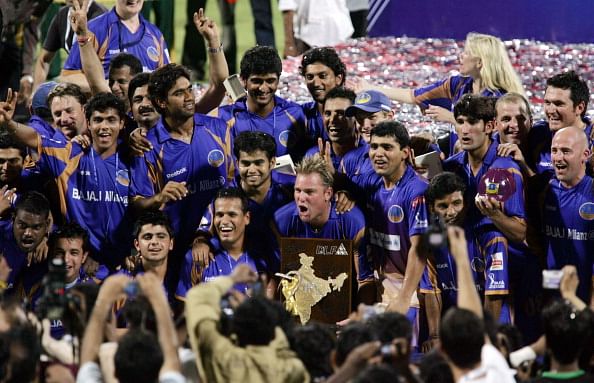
[146, 109]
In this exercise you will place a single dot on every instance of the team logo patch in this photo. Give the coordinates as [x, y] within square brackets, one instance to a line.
[284, 137]
[363, 98]
[123, 178]
[587, 211]
[216, 158]
[152, 53]
[395, 214]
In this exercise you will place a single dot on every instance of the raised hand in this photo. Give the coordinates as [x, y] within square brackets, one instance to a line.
[207, 28]
[7, 107]
[78, 17]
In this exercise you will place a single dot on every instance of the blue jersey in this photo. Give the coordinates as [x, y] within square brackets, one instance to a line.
[259, 239]
[541, 139]
[222, 264]
[111, 37]
[205, 164]
[513, 207]
[286, 123]
[314, 121]
[349, 225]
[93, 192]
[568, 220]
[394, 216]
[446, 93]
[15, 257]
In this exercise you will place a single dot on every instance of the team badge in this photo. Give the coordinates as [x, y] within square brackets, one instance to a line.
[122, 177]
[395, 214]
[216, 158]
[284, 137]
[587, 211]
[362, 98]
[492, 188]
[152, 53]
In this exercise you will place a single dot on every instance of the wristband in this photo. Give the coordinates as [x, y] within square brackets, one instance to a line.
[83, 40]
[216, 50]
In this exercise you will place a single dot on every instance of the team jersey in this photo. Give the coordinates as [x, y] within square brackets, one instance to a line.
[222, 264]
[93, 192]
[349, 225]
[14, 256]
[394, 216]
[541, 138]
[205, 164]
[446, 93]
[111, 37]
[314, 121]
[513, 207]
[258, 236]
[336, 159]
[286, 123]
[568, 226]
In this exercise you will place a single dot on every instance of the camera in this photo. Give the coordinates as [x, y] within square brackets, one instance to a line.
[55, 299]
[436, 236]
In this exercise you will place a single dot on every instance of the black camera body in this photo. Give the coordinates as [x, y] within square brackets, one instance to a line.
[55, 300]
[436, 236]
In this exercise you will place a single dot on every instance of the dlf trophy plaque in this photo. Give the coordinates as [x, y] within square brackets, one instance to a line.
[316, 278]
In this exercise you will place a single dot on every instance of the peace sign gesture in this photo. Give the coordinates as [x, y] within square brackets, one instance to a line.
[7, 107]
[78, 17]
[207, 28]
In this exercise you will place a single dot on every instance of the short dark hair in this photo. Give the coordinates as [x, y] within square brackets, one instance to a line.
[462, 335]
[350, 337]
[22, 364]
[138, 358]
[8, 141]
[341, 92]
[260, 60]
[152, 217]
[326, 56]
[69, 230]
[33, 202]
[435, 369]
[67, 89]
[566, 331]
[255, 321]
[389, 326]
[249, 142]
[394, 129]
[313, 343]
[103, 101]
[578, 88]
[125, 59]
[476, 108]
[378, 373]
[442, 185]
[140, 80]
[232, 192]
[162, 80]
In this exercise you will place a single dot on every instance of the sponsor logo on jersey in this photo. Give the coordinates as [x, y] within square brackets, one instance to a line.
[216, 158]
[395, 214]
[284, 137]
[587, 211]
[496, 261]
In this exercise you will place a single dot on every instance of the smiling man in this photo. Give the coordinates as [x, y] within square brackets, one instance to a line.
[261, 110]
[568, 211]
[92, 184]
[230, 220]
[565, 104]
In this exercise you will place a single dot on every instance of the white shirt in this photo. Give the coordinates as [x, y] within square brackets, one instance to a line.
[493, 368]
[319, 23]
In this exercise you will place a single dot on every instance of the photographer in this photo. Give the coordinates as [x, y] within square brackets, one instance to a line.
[262, 352]
[139, 358]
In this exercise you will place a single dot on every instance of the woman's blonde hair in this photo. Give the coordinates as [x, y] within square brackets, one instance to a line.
[496, 72]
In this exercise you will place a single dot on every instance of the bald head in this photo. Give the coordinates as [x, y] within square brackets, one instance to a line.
[569, 154]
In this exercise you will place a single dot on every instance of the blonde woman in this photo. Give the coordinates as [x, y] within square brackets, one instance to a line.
[485, 69]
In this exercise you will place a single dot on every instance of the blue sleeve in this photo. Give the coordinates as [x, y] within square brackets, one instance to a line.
[189, 276]
[417, 215]
[495, 251]
[439, 93]
[55, 155]
[143, 182]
